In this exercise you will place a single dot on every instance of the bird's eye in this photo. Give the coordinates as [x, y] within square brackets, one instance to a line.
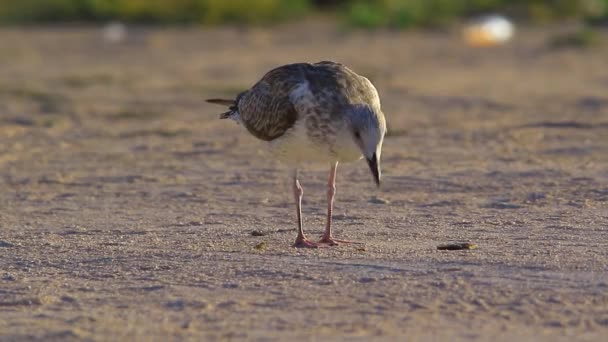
[357, 135]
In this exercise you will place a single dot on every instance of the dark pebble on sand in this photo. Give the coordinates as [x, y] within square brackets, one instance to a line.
[6, 244]
[457, 246]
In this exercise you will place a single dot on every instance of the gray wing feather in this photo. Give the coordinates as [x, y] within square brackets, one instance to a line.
[268, 109]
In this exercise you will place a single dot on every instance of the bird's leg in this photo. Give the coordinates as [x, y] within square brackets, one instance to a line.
[301, 240]
[331, 192]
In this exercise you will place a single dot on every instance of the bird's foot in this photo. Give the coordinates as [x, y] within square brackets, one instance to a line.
[303, 242]
[331, 241]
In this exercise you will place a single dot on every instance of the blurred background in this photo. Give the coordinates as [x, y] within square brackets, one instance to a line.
[141, 69]
[116, 174]
[357, 13]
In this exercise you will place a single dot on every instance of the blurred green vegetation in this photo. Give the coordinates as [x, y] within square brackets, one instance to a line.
[433, 13]
[582, 38]
[358, 13]
[152, 11]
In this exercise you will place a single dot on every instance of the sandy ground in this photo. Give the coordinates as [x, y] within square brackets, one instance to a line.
[127, 207]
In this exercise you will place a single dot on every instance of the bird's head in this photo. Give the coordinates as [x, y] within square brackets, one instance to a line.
[368, 127]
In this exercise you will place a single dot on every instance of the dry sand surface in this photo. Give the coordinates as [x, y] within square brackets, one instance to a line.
[127, 207]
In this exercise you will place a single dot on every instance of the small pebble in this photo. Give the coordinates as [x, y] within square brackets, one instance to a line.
[257, 233]
[8, 277]
[367, 280]
[457, 246]
[379, 200]
[6, 244]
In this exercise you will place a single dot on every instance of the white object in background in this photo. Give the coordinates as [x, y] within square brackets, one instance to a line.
[114, 32]
[489, 31]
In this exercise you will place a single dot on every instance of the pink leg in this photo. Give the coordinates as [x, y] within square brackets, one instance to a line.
[331, 192]
[301, 240]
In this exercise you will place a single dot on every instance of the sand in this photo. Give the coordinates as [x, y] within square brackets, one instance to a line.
[127, 207]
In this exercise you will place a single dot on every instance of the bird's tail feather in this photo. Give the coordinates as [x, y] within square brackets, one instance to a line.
[224, 102]
[233, 111]
[226, 115]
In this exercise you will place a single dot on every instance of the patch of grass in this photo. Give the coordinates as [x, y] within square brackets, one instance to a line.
[367, 15]
[163, 133]
[49, 102]
[583, 38]
[79, 81]
[247, 11]
[438, 13]
[357, 13]
[408, 13]
[261, 246]
[153, 11]
[137, 114]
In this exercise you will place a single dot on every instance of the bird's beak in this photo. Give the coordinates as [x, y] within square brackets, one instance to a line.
[375, 168]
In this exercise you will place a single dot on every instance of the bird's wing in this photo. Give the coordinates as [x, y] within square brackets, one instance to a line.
[287, 93]
[267, 110]
[346, 86]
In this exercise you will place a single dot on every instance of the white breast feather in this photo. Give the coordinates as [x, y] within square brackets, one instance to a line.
[296, 147]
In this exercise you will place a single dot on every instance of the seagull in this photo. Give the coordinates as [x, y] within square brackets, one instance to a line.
[322, 112]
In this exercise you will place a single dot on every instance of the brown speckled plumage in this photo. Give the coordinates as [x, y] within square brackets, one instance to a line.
[268, 109]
